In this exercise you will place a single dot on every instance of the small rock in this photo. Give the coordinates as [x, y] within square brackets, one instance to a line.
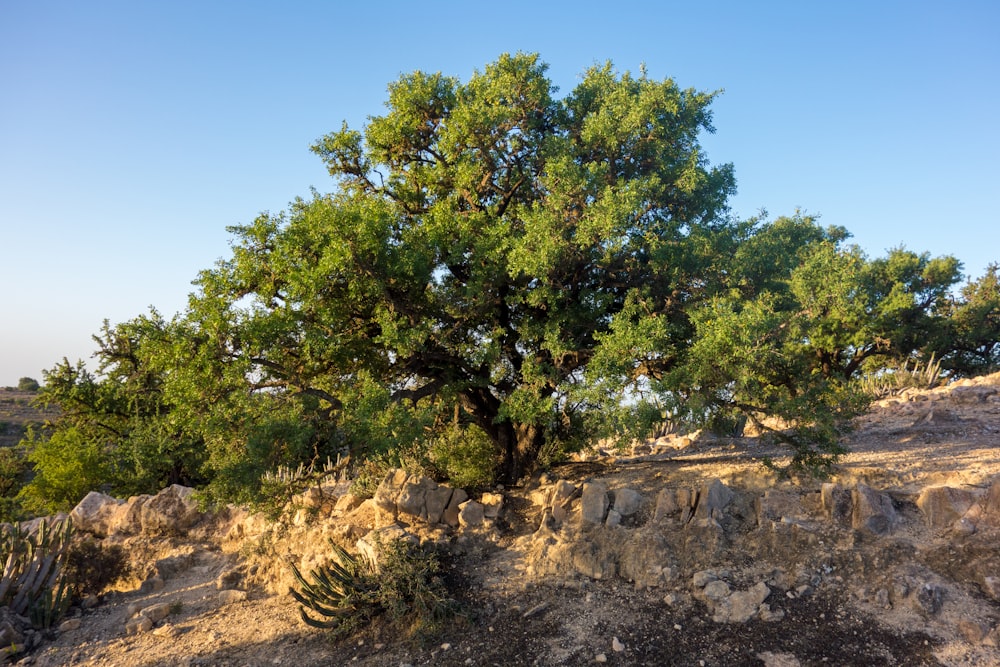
[627, 501]
[593, 502]
[991, 586]
[166, 630]
[471, 514]
[771, 659]
[616, 645]
[232, 596]
[69, 625]
[156, 612]
[600, 657]
[929, 598]
[703, 578]
[138, 625]
[972, 631]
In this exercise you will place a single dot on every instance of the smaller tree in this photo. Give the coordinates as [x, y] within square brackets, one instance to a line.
[27, 384]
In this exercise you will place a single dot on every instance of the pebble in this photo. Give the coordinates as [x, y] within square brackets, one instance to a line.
[617, 645]
[600, 657]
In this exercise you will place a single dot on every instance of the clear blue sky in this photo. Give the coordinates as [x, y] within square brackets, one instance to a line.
[132, 133]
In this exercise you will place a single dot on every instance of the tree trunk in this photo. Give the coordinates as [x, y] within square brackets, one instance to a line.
[520, 444]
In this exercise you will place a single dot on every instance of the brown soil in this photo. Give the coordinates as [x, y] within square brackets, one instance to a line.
[846, 597]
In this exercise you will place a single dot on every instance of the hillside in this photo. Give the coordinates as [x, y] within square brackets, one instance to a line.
[685, 552]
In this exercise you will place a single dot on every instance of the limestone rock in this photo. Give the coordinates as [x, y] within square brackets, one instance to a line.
[942, 506]
[492, 504]
[451, 512]
[436, 503]
[713, 500]
[173, 510]
[666, 505]
[471, 514]
[627, 502]
[138, 625]
[741, 606]
[231, 596]
[873, 511]
[70, 624]
[771, 659]
[156, 612]
[96, 514]
[837, 503]
[593, 503]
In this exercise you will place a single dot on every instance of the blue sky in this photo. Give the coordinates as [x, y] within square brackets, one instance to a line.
[132, 133]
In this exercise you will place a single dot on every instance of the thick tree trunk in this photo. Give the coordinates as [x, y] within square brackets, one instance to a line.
[518, 444]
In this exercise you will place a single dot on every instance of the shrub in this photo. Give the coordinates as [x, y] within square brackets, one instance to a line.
[348, 592]
[465, 455]
[91, 567]
[27, 384]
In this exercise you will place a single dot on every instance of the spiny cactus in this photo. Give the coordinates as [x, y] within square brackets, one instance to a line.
[341, 589]
[349, 591]
[33, 581]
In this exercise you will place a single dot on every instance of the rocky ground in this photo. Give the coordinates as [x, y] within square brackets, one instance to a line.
[684, 552]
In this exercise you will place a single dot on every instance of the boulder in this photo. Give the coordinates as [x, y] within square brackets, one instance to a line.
[97, 514]
[452, 511]
[627, 502]
[171, 511]
[713, 500]
[593, 503]
[837, 503]
[492, 504]
[436, 503]
[470, 514]
[873, 511]
[942, 506]
[666, 505]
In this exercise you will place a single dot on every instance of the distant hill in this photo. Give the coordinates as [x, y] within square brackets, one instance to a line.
[17, 412]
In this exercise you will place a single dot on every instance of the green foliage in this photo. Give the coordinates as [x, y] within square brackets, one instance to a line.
[539, 271]
[66, 466]
[91, 567]
[971, 344]
[404, 587]
[27, 384]
[13, 475]
[465, 456]
[34, 583]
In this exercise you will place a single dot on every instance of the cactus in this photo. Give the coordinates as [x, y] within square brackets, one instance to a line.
[341, 589]
[349, 591]
[33, 581]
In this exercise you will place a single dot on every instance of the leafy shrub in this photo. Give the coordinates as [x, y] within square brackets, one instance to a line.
[465, 455]
[91, 567]
[403, 587]
[67, 466]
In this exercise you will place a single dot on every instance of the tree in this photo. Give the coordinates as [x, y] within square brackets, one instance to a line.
[486, 243]
[27, 384]
[971, 343]
[804, 317]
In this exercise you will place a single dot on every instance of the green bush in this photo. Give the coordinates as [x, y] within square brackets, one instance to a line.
[27, 384]
[465, 455]
[67, 467]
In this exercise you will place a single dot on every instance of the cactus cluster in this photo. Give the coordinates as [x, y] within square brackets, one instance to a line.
[34, 582]
[341, 590]
[348, 592]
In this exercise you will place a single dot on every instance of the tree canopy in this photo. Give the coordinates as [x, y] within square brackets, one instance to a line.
[498, 264]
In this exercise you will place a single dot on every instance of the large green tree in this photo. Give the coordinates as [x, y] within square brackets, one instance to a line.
[485, 241]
